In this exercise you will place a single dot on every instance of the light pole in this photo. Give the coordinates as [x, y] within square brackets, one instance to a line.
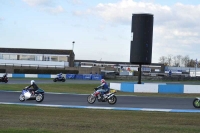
[73, 45]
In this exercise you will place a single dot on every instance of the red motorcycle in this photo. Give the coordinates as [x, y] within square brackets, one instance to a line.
[4, 79]
[110, 97]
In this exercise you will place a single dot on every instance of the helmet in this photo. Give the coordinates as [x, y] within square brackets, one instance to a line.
[60, 73]
[103, 81]
[32, 81]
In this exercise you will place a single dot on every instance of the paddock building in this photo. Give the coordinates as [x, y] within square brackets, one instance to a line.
[24, 58]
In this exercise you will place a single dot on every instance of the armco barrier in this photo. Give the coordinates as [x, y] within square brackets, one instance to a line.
[127, 87]
[170, 88]
[155, 88]
[44, 75]
[18, 75]
[68, 76]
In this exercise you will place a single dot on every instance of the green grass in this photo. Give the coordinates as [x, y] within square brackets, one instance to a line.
[83, 89]
[27, 119]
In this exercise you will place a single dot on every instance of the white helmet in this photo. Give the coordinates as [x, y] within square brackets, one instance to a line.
[32, 81]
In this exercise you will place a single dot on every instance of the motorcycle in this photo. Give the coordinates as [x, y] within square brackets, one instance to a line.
[27, 95]
[110, 97]
[196, 102]
[59, 79]
[4, 79]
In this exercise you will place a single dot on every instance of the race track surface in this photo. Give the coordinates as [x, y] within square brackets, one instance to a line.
[81, 100]
[122, 101]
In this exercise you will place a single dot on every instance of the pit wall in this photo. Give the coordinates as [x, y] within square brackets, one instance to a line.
[155, 88]
[67, 76]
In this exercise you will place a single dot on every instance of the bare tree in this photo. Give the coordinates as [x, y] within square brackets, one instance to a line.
[163, 60]
[186, 60]
[191, 63]
[179, 60]
[178, 57]
[169, 60]
[175, 60]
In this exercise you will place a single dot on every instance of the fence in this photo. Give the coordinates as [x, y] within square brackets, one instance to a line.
[67, 76]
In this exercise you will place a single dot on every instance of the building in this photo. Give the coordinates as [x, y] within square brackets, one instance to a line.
[38, 57]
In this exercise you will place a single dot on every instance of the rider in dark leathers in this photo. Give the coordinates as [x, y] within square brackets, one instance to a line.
[34, 87]
[4, 77]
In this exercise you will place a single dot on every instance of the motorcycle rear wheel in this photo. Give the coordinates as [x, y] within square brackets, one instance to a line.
[91, 99]
[196, 103]
[39, 98]
[112, 100]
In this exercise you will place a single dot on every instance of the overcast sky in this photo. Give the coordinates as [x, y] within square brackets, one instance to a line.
[101, 29]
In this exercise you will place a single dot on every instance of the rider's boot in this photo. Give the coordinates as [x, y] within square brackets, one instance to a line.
[99, 97]
[104, 95]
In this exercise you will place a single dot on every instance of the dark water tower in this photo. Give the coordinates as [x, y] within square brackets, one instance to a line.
[141, 43]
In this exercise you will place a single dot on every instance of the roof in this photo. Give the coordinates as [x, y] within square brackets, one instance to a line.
[36, 51]
[114, 62]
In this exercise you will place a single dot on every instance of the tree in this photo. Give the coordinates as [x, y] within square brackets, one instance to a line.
[178, 60]
[163, 60]
[186, 60]
[178, 57]
[176, 64]
[169, 60]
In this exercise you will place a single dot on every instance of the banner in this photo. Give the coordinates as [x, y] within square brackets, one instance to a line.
[87, 76]
[96, 77]
[79, 76]
[70, 76]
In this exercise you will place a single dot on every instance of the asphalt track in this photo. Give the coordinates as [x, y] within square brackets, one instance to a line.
[78, 101]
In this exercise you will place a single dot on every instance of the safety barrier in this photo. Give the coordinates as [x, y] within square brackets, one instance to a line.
[68, 76]
[155, 88]
[84, 76]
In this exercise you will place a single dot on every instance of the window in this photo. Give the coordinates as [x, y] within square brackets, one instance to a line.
[27, 57]
[5, 56]
[8, 57]
[54, 58]
[38, 58]
[13, 57]
[62, 58]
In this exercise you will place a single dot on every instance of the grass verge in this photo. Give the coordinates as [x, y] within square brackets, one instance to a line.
[27, 119]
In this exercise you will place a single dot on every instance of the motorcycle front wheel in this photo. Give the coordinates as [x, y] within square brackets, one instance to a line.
[21, 98]
[196, 103]
[112, 100]
[91, 99]
[54, 80]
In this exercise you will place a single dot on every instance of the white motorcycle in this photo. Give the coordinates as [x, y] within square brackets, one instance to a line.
[27, 95]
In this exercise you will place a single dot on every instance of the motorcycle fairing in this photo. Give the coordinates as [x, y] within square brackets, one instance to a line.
[198, 98]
